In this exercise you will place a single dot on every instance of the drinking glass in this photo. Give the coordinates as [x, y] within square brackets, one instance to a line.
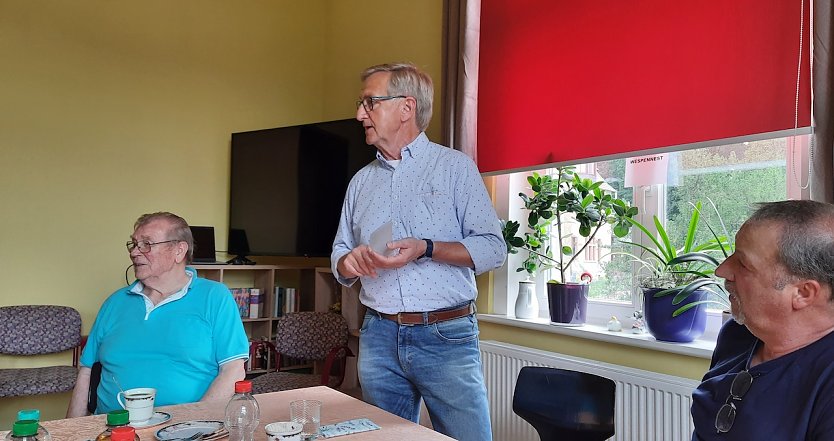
[308, 413]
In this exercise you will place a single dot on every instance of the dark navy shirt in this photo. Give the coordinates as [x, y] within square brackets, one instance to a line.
[791, 397]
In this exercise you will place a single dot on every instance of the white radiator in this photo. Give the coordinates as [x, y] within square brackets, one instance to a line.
[649, 406]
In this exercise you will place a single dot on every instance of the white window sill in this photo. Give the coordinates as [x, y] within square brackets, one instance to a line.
[698, 348]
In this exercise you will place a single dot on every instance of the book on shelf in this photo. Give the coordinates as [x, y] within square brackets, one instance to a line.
[286, 300]
[278, 303]
[291, 303]
[255, 301]
[241, 296]
[260, 357]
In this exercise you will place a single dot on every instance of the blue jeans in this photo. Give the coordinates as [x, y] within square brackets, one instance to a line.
[399, 364]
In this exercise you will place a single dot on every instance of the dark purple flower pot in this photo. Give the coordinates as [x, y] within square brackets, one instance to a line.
[681, 329]
[568, 302]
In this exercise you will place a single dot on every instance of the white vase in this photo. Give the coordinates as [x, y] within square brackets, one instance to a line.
[526, 304]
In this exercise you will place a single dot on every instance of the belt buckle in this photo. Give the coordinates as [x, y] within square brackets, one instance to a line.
[400, 321]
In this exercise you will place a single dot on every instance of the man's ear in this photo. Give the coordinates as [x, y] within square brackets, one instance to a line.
[409, 108]
[182, 251]
[809, 292]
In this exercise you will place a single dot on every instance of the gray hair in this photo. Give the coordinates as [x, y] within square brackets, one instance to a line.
[806, 247]
[406, 79]
[178, 229]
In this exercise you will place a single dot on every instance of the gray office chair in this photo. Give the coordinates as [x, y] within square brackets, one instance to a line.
[31, 330]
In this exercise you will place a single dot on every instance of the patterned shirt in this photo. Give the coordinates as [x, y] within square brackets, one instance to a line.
[435, 193]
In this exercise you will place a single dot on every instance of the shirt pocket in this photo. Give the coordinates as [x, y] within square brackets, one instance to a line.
[430, 213]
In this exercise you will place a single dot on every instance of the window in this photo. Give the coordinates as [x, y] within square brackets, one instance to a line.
[733, 177]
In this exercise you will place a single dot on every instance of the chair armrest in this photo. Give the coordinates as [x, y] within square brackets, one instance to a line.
[336, 353]
[276, 356]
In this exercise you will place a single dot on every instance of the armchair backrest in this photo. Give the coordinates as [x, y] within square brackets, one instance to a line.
[310, 335]
[38, 329]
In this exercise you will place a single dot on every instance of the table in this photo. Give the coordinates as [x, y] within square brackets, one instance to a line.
[275, 406]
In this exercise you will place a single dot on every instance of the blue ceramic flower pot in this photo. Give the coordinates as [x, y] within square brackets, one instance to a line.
[568, 303]
[681, 329]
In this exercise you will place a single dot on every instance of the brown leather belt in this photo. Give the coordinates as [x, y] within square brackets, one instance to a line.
[431, 317]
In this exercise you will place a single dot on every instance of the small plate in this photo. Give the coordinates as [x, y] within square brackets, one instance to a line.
[189, 428]
[157, 419]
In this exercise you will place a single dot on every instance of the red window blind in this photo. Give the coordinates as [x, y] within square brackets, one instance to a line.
[567, 80]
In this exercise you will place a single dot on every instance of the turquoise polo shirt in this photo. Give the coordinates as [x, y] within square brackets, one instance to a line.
[176, 347]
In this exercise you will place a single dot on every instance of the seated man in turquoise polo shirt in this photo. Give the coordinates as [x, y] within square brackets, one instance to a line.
[169, 330]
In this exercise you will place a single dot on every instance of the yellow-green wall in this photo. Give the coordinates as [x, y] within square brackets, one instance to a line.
[639, 358]
[114, 109]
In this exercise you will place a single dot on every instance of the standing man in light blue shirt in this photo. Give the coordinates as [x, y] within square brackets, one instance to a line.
[419, 338]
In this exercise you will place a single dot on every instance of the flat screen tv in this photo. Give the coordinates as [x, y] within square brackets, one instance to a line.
[288, 184]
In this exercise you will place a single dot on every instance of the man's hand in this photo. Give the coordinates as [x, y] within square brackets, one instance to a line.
[363, 261]
[410, 249]
[358, 262]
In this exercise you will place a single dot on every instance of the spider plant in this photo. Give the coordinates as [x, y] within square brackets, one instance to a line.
[681, 271]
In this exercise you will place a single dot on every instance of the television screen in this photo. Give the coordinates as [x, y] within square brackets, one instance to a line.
[288, 184]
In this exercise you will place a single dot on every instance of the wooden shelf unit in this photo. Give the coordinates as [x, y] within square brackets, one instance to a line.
[318, 291]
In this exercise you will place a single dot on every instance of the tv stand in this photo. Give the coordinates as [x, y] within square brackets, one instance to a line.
[240, 260]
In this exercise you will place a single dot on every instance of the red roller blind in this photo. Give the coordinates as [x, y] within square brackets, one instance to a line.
[565, 80]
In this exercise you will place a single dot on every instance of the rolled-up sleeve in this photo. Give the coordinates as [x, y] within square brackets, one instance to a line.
[344, 241]
[480, 226]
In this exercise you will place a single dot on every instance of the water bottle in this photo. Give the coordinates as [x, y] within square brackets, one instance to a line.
[34, 415]
[123, 433]
[24, 430]
[242, 413]
[116, 418]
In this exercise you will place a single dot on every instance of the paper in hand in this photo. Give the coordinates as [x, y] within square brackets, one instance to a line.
[380, 238]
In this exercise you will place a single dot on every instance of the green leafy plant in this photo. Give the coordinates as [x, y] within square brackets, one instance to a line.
[681, 271]
[553, 199]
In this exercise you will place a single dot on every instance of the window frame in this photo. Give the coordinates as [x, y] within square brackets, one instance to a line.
[653, 203]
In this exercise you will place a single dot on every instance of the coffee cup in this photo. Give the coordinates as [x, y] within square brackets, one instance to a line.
[283, 431]
[138, 402]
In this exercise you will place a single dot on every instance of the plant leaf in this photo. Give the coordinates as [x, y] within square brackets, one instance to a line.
[693, 226]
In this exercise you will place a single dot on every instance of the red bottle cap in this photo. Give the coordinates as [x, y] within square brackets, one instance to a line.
[124, 433]
[243, 386]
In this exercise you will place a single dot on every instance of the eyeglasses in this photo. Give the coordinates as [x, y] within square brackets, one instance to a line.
[144, 246]
[369, 101]
[727, 413]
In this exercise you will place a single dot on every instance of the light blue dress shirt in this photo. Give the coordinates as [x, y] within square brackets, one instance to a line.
[434, 193]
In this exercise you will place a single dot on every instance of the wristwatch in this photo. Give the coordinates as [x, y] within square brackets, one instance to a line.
[429, 249]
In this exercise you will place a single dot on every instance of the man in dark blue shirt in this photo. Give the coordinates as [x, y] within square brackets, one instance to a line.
[772, 372]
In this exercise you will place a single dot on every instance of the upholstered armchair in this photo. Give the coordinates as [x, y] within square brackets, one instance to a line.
[311, 336]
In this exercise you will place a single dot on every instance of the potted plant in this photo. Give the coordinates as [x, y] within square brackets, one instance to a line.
[553, 199]
[681, 280]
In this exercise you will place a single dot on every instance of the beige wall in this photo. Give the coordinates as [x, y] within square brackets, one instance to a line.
[113, 109]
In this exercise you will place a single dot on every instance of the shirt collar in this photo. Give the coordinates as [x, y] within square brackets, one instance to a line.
[138, 288]
[413, 149]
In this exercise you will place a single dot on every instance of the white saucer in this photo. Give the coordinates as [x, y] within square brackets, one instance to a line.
[157, 419]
